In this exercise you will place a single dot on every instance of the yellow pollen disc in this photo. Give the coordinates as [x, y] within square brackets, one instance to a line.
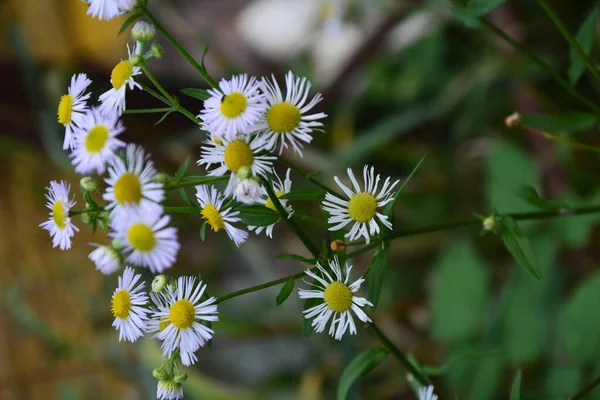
[213, 217]
[121, 73]
[362, 207]
[96, 138]
[270, 204]
[338, 297]
[162, 325]
[121, 304]
[128, 189]
[238, 154]
[57, 214]
[182, 314]
[141, 237]
[233, 104]
[283, 117]
[65, 109]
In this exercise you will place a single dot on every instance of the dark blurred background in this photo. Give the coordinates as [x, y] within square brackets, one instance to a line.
[399, 78]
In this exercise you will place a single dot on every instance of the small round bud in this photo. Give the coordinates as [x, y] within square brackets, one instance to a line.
[244, 172]
[137, 60]
[160, 374]
[104, 220]
[180, 378]
[157, 51]
[513, 120]
[88, 184]
[338, 246]
[159, 283]
[143, 32]
[489, 223]
[161, 177]
[117, 245]
[247, 191]
[86, 218]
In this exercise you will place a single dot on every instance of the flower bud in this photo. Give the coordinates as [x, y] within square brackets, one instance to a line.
[161, 177]
[156, 50]
[143, 32]
[117, 245]
[86, 218]
[244, 172]
[159, 283]
[338, 246]
[180, 378]
[247, 191]
[88, 184]
[513, 120]
[104, 220]
[137, 60]
[160, 374]
[489, 223]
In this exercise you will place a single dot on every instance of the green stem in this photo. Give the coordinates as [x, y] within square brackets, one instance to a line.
[309, 178]
[182, 210]
[149, 111]
[565, 141]
[154, 94]
[201, 70]
[586, 389]
[73, 213]
[205, 180]
[418, 375]
[284, 216]
[567, 35]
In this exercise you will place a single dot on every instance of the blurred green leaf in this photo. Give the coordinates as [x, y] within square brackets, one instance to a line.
[576, 230]
[564, 123]
[459, 355]
[360, 366]
[464, 15]
[376, 274]
[482, 7]
[585, 37]
[200, 94]
[485, 383]
[128, 22]
[460, 297]
[257, 215]
[515, 391]
[182, 169]
[185, 198]
[562, 380]
[304, 194]
[296, 257]
[519, 245]
[531, 196]
[285, 291]
[203, 231]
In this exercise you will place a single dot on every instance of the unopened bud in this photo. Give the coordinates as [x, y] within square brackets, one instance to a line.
[104, 220]
[489, 223]
[161, 177]
[159, 283]
[513, 120]
[338, 246]
[88, 184]
[160, 374]
[117, 245]
[247, 191]
[180, 378]
[244, 172]
[137, 60]
[156, 50]
[143, 32]
[86, 219]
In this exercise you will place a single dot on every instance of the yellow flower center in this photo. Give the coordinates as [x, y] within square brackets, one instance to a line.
[283, 117]
[163, 324]
[213, 217]
[238, 154]
[96, 138]
[121, 304]
[141, 237]
[338, 296]
[121, 73]
[270, 204]
[65, 109]
[182, 314]
[128, 189]
[233, 104]
[57, 214]
[362, 207]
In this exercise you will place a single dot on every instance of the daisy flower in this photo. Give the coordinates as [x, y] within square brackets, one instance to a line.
[338, 299]
[59, 224]
[106, 258]
[131, 183]
[280, 188]
[96, 141]
[234, 108]
[232, 155]
[288, 120]
[147, 239]
[181, 313]
[426, 393]
[72, 107]
[109, 9]
[248, 191]
[121, 77]
[128, 306]
[362, 207]
[168, 389]
[218, 217]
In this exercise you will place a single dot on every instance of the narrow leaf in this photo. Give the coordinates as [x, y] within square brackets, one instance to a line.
[376, 275]
[518, 245]
[515, 392]
[163, 117]
[128, 22]
[182, 169]
[203, 231]
[564, 123]
[296, 257]
[304, 194]
[360, 366]
[200, 94]
[257, 215]
[531, 196]
[482, 7]
[185, 198]
[585, 38]
[285, 291]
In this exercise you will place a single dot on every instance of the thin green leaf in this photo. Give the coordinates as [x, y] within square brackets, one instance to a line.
[531, 196]
[460, 355]
[257, 215]
[304, 194]
[128, 22]
[515, 391]
[564, 123]
[285, 291]
[185, 198]
[200, 94]
[585, 38]
[376, 275]
[360, 366]
[163, 117]
[296, 257]
[182, 169]
[465, 16]
[204, 53]
[482, 7]
[203, 231]
[518, 245]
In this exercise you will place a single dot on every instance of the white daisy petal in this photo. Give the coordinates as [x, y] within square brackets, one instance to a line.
[109, 9]
[122, 77]
[106, 258]
[128, 306]
[218, 217]
[280, 188]
[72, 107]
[59, 224]
[426, 393]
